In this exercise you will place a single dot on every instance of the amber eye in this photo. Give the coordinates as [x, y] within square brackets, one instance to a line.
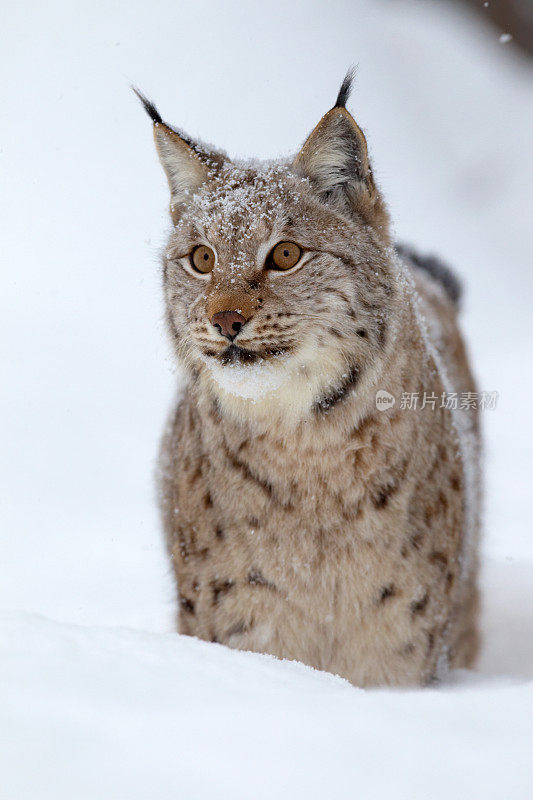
[203, 258]
[285, 255]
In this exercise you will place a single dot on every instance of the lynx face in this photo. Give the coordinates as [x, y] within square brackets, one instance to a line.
[278, 276]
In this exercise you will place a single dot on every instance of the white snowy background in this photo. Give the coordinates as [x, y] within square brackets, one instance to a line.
[100, 699]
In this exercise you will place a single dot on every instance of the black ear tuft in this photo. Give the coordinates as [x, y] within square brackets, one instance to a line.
[346, 88]
[149, 107]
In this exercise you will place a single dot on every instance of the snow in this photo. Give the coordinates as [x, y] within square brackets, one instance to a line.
[118, 713]
[252, 381]
[98, 697]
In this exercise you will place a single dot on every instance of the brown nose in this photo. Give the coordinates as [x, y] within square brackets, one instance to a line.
[228, 323]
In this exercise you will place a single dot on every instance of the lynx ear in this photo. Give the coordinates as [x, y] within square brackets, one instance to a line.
[335, 159]
[185, 168]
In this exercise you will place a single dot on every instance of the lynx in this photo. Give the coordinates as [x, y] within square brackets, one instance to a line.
[305, 516]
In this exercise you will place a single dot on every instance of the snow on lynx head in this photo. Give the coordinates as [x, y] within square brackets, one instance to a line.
[279, 277]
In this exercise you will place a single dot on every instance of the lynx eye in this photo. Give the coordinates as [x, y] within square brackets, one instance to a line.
[285, 255]
[203, 259]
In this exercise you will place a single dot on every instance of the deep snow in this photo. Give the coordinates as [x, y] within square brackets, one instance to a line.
[98, 697]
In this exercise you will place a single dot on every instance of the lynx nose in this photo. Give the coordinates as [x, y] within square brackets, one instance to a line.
[228, 323]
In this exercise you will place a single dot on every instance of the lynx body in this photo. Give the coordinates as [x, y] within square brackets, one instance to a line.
[303, 518]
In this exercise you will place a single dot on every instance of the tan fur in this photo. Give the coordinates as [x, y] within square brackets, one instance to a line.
[301, 520]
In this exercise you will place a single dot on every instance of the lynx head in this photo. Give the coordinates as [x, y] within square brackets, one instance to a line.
[277, 276]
